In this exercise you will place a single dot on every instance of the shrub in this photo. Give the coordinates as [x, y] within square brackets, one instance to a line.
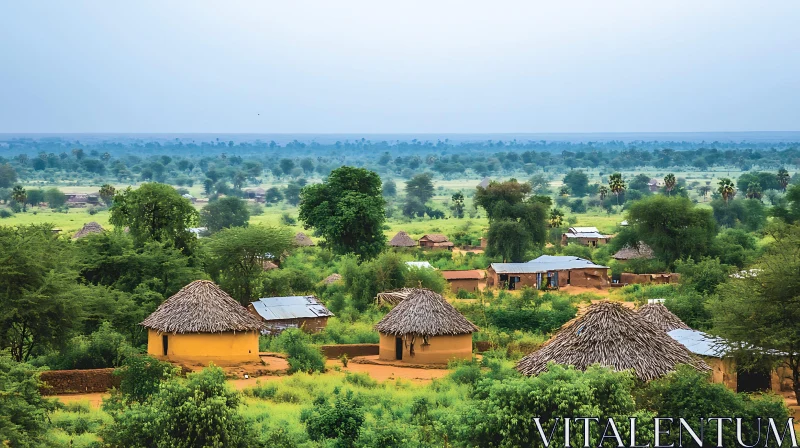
[23, 411]
[288, 220]
[141, 377]
[5, 213]
[303, 356]
[340, 420]
[102, 349]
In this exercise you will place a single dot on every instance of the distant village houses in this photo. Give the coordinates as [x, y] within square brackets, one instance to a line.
[587, 236]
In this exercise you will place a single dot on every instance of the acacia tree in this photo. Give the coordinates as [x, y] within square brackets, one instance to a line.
[669, 183]
[762, 308]
[347, 209]
[224, 213]
[155, 212]
[235, 257]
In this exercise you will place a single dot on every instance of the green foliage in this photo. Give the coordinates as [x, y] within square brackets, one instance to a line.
[517, 224]
[235, 257]
[303, 356]
[746, 213]
[578, 183]
[702, 276]
[102, 349]
[420, 187]
[141, 377]
[340, 420]
[7, 175]
[225, 213]
[288, 220]
[201, 411]
[23, 411]
[364, 281]
[348, 211]
[734, 247]
[155, 212]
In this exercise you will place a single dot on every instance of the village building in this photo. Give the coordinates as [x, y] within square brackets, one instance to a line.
[202, 324]
[614, 336]
[654, 185]
[484, 182]
[587, 236]
[88, 229]
[191, 198]
[256, 194]
[302, 240]
[548, 272]
[331, 279]
[715, 353]
[393, 297]
[424, 329]
[435, 241]
[82, 199]
[402, 239]
[639, 252]
[280, 313]
[467, 280]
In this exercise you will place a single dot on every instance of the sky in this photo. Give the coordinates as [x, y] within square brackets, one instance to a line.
[399, 67]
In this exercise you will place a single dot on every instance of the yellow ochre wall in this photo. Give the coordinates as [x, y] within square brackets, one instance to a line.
[221, 348]
[440, 349]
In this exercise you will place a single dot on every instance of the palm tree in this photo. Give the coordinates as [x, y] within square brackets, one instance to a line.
[556, 218]
[669, 183]
[754, 191]
[19, 196]
[783, 178]
[603, 190]
[616, 184]
[726, 189]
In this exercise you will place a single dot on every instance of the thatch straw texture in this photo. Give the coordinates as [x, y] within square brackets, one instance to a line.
[424, 313]
[301, 239]
[613, 336]
[393, 297]
[436, 238]
[201, 307]
[642, 251]
[658, 315]
[402, 239]
[87, 229]
[331, 279]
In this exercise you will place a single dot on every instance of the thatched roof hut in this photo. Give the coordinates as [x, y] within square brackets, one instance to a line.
[201, 307]
[331, 279]
[424, 313]
[402, 239]
[393, 297]
[301, 239]
[640, 251]
[658, 315]
[614, 336]
[87, 229]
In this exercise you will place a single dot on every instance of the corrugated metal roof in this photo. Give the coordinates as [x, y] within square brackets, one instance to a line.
[545, 263]
[584, 230]
[472, 274]
[419, 264]
[700, 343]
[292, 307]
[585, 235]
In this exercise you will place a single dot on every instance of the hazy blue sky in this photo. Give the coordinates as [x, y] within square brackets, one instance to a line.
[427, 66]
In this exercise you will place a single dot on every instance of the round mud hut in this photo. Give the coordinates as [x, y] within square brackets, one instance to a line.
[88, 229]
[613, 336]
[658, 315]
[201, 324]
[425, 329]
[402, 239]
[302, 240]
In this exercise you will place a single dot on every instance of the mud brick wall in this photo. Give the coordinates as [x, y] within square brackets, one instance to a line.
[352, 350]
[78, 381]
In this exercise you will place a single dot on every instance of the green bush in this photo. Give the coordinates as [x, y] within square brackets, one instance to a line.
[141, 377]
[340, 420]
[23, 411]
[102, 349]
[5, 213]
[303, 356]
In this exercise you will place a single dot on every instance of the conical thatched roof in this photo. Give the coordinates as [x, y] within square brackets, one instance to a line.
[331, 279]
[402, 240]
[88, 228]
[201, 307]
[301, 239]
[658, 315]
[614, 336]
[424, 313]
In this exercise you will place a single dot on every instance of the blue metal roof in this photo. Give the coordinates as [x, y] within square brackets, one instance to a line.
[700, 343]
[292, 307]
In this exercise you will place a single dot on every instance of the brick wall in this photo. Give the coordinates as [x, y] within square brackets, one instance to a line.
[78, 381]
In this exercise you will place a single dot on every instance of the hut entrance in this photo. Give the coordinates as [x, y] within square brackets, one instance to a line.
[398, 348]
[757, 379]
[165, 343]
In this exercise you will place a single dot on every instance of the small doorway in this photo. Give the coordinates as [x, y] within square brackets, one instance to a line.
[398, 348]
[756, 379]
[165, 344]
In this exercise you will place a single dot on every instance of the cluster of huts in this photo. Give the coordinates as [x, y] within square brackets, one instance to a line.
[201, 323]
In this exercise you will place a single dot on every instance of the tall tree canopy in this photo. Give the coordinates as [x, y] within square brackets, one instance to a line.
[672, 226]
[224, 213]
[347, 209]
[155, 212]
[420, 187]
[578, 182]
[517, 222]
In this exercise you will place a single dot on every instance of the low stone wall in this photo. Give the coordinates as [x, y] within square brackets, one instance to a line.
[626, 278]
[352, 350]
[78, 381]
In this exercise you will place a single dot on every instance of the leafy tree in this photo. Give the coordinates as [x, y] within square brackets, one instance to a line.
[347, 209]
[23, 411]
[616, 184]
[726, 189]
[498, 196]
[287, 165]
[556, 218]
[34, 197]
[155, 212]
[578, 182]
[292, 193]
[508, 240]
[7, 175]
[55, 198]
[19, 196]
[783, 178]
[703, 276]
[107, 193]
[673, 227]
[273, 195]
[746, 213]
[540, 184]
[364, 281]
[37, 306]
[301, 354]
[340, 420]
[735, 247]
[225, 213]
[669, 183]
[235, 257]
[420, 187]
[458, 205]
